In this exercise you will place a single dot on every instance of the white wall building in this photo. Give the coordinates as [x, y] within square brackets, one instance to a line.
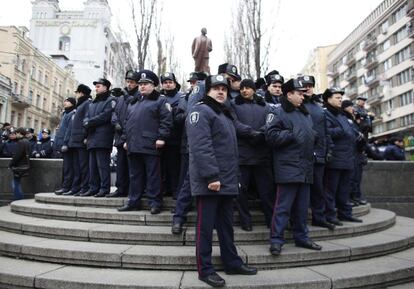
[81, 39]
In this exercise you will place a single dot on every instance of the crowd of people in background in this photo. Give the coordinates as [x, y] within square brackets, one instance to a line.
[225, 138]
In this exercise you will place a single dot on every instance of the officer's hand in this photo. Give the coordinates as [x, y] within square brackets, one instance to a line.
[125, 146]
[214, 186]
[37, 155]
[85, 141]
[159, 144]
[64, 149]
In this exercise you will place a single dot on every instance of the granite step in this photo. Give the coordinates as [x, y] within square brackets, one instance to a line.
[378, 272]
[398, 237]
[376, 220]
[112, 216]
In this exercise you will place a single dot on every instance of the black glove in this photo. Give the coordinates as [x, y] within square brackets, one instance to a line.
[257, 137]
[117, 92]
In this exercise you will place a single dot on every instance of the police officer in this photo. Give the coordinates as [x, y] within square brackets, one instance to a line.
[365, 116]
[318, 115]
[273, 92]
[32, 139]
[77, 142]
[170, 160]
[183, 203]
[254, 154]
[61, 145]
[214, 180]
[9, 146]
[231, 73]
[395, 150]
[290, 133]
[118, 121]
[340, 165]
[99, 139]
[43, 148]
[147, 127]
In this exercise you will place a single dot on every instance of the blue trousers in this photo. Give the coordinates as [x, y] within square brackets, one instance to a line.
[183, 203]
[356, 180]
[292, 202]
[215, 212]
[81, 170]
[99, 170]
[144, 174]
[317, 194]
[17, 188]
[337, 190]
[122, 171]
[68, 170]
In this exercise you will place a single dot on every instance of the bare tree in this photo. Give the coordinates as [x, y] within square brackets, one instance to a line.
[143, 12]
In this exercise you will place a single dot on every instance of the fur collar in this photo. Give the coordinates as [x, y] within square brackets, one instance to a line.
[331, 109]
[102, 96]
[289, 107]
[216, 106]
[256, 99]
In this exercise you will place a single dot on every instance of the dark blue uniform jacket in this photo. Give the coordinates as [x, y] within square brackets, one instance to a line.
[63, 133]
[77, 131]
[394, 153]
[120, 113]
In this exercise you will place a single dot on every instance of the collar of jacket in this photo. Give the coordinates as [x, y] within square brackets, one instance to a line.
[271, 98]
[82, 99]
[45, 139]
[153, 96]
[289, 107]
[216, 106]
[256, 99]
[102, 96]
[331, 109]
[132, 92]
[69, 109]
[170, 93]
[314, 98]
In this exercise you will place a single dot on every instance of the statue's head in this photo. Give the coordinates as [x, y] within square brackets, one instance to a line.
[204, 31]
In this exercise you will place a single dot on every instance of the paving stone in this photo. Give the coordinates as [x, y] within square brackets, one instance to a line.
[16, 273]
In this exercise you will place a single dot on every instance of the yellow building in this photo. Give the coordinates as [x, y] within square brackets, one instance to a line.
[38, 85]
[317, 65]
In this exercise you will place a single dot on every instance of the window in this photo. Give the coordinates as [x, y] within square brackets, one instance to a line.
[392, 124]
[400, 34]
[390, 104]
[46, 83]
[402, 55]
[64, 43]
[400, 13]
[30, 96]
[407, 120]
[406, 98]
[60, 89]
[33, 72]
[402, 77]
[44, 103]
[36, 125]
[37, 100]
[40, 76]
[28, 121]
[387, 64]
[19, 119]
[386, 44]
[15, 88]
[384, 27]
[13, 117]
[21, 89]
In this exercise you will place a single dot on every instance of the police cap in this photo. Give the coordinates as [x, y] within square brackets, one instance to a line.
[168, 76]
[361, 97]
[29, 130]
[230, 69]
[46, 130]
[331, 91]
[132, 75]
[147, 76]
[307, 80]
[273, 78]
[214, 80]
[103, 81]
[291, 85]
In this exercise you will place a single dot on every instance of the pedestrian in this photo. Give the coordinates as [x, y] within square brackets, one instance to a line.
[290, 133]
[213, 168]
[10, 145]
[100, 134]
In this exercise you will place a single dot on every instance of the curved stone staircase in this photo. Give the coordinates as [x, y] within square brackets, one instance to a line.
[74, 242]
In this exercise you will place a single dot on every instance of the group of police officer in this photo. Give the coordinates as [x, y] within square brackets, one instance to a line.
[224, 140]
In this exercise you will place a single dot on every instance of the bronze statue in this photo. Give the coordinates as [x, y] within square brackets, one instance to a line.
[200, 49]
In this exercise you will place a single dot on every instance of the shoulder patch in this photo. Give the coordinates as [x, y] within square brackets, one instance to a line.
[194, 117]
[168, 106]
[113, 103]
[196, 89]
[269, 118]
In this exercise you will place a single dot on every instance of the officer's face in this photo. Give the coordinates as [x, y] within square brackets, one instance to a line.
[78, 94]
[295, 97]
[247, 92]
[335, 100]
[146, 88]
[131, 84]
[28, 135]
[12, 136]
[100, 88]
[67, 104]
[275, 88]
[169, 85]
[219, 93]
[309, 91]
[349, 109]
[361, 102]
[234, 83]
[45, 135]
[193, 83]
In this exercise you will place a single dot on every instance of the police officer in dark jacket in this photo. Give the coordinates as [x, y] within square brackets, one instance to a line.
[32, 139]
[170, 160]
[9, 146]
[254, 154]
[230, 72]
[290, 133]
[61, 145]
[118, 121]
[318, 115]
[147, 127]
[183, 203]
[341, 163]
[395, 150]
[77, 142]
[273, 92]
[214, 180]
[99, 140]
[43, 147]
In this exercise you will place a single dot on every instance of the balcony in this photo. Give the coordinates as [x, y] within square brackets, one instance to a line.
[410, 8]
[371, 62]
[374, 99]
[371, 81]
[370, 44]
[20, 101]
[410, 29]
[350, 59]
[332, 74]
[352, 92]
[351, 76]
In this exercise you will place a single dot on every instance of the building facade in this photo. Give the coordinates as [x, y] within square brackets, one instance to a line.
[82, 40]
[5, 94]
[317, 65]
[38, 85]
[376, 61]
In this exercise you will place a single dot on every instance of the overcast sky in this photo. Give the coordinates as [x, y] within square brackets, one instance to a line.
[301, 25]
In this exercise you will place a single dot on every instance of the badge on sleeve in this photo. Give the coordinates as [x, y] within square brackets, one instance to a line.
[113, 103]
[194, 117]
[168, 106]
[269, 118]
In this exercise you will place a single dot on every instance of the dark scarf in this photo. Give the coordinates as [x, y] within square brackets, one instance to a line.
[69, 109]
[153, 96]
[216, 106]
[289, 107]
[170, 93]
[270, 98]
[331, 109]
[82, 99]
[314, 98]
[256, 99]
[102, 96]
